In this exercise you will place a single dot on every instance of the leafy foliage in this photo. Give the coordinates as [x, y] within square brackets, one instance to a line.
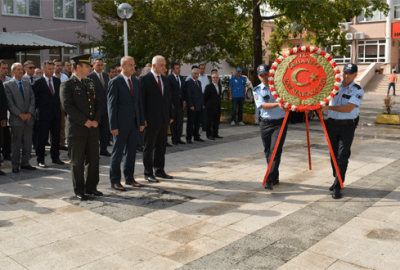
[318, 19]
[189, 31]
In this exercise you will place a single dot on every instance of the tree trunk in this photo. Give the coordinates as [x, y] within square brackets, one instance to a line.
[257, 22]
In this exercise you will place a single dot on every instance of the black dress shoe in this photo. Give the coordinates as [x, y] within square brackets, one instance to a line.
[15, 170]
[29, 168]
[2, 173]
[218, 137]
[331, 188]
[151, 179]
[106, 153]
[189, 141]
[211, 138]
[64, 148]
[42, 165]
[94, 192]
[163, 175]
[276, 182]
[198, 139]
[336, 194]
[175, 143]
[181, 142]
[169, 145]
[59, 162]
[268, 187]
[82, 197]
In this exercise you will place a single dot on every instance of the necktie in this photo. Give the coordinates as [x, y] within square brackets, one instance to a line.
[130, 86]
[31, 80]
[159, 83]
[51, 88]
[102, 81]
[21, 89]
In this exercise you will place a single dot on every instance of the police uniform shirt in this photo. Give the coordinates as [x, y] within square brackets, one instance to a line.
[353, 94]
[263, 95]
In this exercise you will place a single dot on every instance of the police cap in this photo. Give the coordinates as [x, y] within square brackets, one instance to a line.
[350, 68]
[262, 69]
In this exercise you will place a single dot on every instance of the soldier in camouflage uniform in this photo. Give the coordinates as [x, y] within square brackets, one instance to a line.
[79, 100]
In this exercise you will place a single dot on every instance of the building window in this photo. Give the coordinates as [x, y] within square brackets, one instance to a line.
[70, 9]
[22, 7]
[376, 16]
[371, 51]
[396, 7]
[340, 59]
[30, 55]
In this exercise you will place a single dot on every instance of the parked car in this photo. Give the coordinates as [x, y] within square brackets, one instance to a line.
[225, 87]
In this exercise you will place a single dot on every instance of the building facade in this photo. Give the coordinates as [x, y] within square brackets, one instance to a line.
[370, 40]
[59, 20]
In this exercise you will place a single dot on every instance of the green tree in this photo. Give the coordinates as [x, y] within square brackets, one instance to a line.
[189, 31]
[318, 18]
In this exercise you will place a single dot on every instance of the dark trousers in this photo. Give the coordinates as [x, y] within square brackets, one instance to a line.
[21, 136]
[193, 124]
[84, 153]
[235, 103]
[394, 88]
[104, 133]
[203, 119]
[341, 137]
[213, 124]
[126, 140]
[269, 136]
[177, 125]
[6, 150]
[42, 136]
[155, 143]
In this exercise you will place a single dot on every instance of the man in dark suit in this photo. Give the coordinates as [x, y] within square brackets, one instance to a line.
[101, 80]
[48, 114]
[177, 84]
[195, 102]
[212, 99]
[158, 115]
[3, 117]
[21, 104]
[80, 102]
[126, 119]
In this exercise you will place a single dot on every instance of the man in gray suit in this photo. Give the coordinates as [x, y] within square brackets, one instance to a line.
[21, 104]
[29, 75]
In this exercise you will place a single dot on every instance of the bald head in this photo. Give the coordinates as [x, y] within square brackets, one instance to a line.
[128, 66]
[158, 64]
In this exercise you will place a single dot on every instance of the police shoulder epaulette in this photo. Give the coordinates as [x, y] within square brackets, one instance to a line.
[357, 86]
[256, 88]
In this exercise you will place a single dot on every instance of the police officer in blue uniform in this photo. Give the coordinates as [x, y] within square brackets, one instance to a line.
[272, 114]
[342, 121]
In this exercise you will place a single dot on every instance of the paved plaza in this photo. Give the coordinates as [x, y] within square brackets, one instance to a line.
[215, 214]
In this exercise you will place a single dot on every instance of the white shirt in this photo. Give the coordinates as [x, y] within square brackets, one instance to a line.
[155, 77]
[204, 81]
[126, 80]
[48, 81]
[63, 77]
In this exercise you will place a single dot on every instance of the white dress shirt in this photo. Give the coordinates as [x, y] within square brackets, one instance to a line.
[155, 77]
[63, 77]
[48, 81]
[126, 80]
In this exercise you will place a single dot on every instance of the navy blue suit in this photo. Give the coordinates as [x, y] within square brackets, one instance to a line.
[125, 114]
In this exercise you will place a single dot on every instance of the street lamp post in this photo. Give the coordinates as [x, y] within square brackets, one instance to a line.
[125, 12]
